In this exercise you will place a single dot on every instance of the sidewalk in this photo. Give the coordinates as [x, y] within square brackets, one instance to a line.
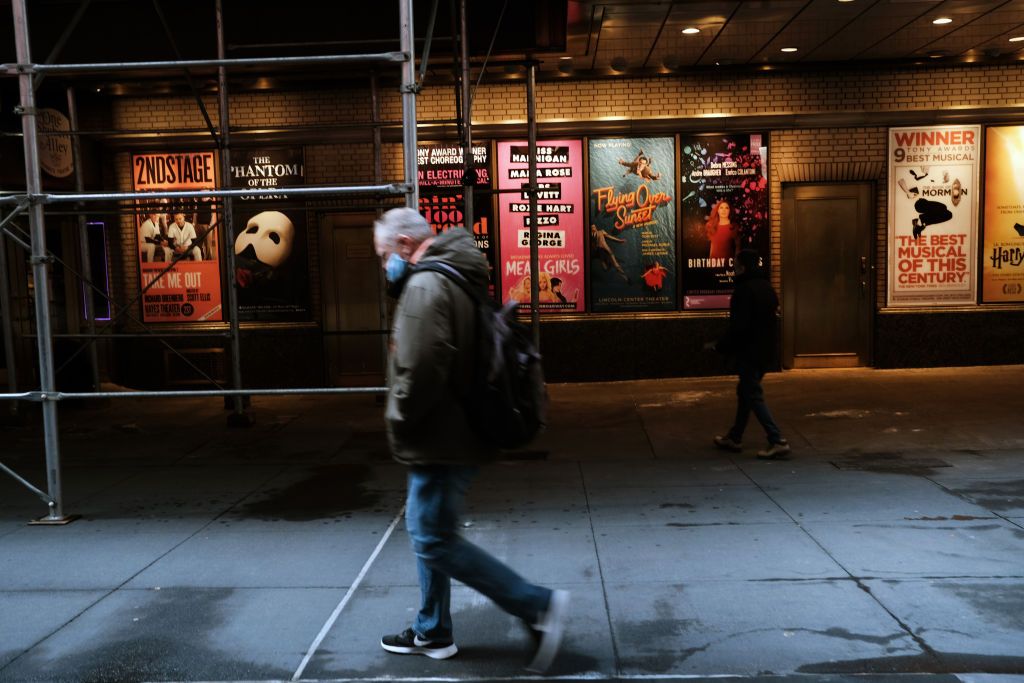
[891, 544]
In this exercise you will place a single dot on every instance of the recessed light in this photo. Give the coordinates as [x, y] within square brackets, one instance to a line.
[690, 30]
[619, 64]
[845, 0]
[942, 20]
[788, 49]
[1016, 39]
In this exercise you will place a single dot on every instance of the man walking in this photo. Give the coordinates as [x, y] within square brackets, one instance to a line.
[430, 362]
[751, 339]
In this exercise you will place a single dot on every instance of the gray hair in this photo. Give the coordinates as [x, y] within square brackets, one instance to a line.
[402, 221]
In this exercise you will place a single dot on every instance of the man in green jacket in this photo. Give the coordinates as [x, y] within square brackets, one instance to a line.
[430, 362]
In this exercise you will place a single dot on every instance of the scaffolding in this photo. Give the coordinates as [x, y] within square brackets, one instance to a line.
[33, 200]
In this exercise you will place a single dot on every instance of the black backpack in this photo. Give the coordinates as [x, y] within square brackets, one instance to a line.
[506, 400]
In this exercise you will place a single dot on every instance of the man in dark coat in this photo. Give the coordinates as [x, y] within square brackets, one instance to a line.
[433, 346]
[751, 340]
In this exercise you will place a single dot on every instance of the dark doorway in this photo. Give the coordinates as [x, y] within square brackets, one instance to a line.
[355, 312]
[826, 277]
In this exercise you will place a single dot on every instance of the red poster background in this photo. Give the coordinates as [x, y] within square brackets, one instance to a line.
[190, 291]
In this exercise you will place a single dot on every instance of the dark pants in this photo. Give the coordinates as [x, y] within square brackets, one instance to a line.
[436, 494]
[750, 397]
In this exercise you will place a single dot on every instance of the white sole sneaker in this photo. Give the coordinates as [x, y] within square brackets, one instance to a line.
[551, 628]
[432, 652]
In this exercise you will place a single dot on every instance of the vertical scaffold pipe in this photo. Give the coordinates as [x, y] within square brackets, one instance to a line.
[412, 197]
[468, 177]
[238, 417]
[39, 260]
[531, 120]
[83, 242]
[8, 326]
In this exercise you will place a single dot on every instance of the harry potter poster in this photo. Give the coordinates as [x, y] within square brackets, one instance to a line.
[632, 224]
[724, 189]
[1003, 258]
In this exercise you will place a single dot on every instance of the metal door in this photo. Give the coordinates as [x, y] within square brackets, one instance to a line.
[355, 313]
[827, 275]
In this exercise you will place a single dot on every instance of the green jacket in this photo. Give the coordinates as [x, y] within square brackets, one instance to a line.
[431, 357]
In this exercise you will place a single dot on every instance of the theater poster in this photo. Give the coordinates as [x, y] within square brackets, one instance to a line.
[724, 198]
[179, 237]
[269, 236]
[1003, 255]
[441, 203]
[933, 215]
[559, 224]
[632, 224]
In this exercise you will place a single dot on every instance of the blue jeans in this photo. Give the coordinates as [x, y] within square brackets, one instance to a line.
[750, 397]
[435, 498]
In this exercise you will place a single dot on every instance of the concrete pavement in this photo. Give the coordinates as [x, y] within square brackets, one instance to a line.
[889, 548]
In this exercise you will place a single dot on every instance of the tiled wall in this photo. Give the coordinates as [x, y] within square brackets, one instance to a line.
[584, 101]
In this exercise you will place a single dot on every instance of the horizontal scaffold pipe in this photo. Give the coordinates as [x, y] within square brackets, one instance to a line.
[39, 396]
[372, 57]
[389, 189]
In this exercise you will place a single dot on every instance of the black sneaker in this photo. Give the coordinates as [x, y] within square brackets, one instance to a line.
[408, 642]
[727, 444]
[547, 633]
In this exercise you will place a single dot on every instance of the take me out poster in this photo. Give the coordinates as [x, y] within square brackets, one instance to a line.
[179, 231]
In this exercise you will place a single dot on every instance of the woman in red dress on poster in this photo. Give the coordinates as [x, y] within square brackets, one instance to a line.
[721, 232]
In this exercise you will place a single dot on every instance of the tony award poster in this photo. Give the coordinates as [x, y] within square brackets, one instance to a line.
[179, 254]
[632, 224]
[440, 180]
[933, 215]
[724, 189]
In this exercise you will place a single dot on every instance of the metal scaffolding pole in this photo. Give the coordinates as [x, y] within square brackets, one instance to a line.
[302, 190]
[83, 240]
[23, 67]
[238, 417]
[412, 196]
[8, 323]
[39, 263]
[531, 119]
[468, 176]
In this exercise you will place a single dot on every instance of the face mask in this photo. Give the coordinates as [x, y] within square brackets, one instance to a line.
[395, 267]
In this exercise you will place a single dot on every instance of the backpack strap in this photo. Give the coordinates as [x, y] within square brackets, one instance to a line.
[453, 274]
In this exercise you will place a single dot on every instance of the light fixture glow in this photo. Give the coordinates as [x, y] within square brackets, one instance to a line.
[942, 20]
[690, 30]
[788, 49]
[1016, 39]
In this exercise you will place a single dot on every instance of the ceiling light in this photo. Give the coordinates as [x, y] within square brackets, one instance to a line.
[690, 30]
[788, 49]
[619, 64]
[942, 20]
[1016, 39]
[845, 0]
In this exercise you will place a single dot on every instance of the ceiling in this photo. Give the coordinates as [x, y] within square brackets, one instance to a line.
[644, 35]
[570, 38]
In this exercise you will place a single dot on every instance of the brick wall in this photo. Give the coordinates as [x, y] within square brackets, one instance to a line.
[699, 95]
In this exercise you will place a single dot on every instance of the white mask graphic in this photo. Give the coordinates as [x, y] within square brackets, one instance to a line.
[271, 235]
